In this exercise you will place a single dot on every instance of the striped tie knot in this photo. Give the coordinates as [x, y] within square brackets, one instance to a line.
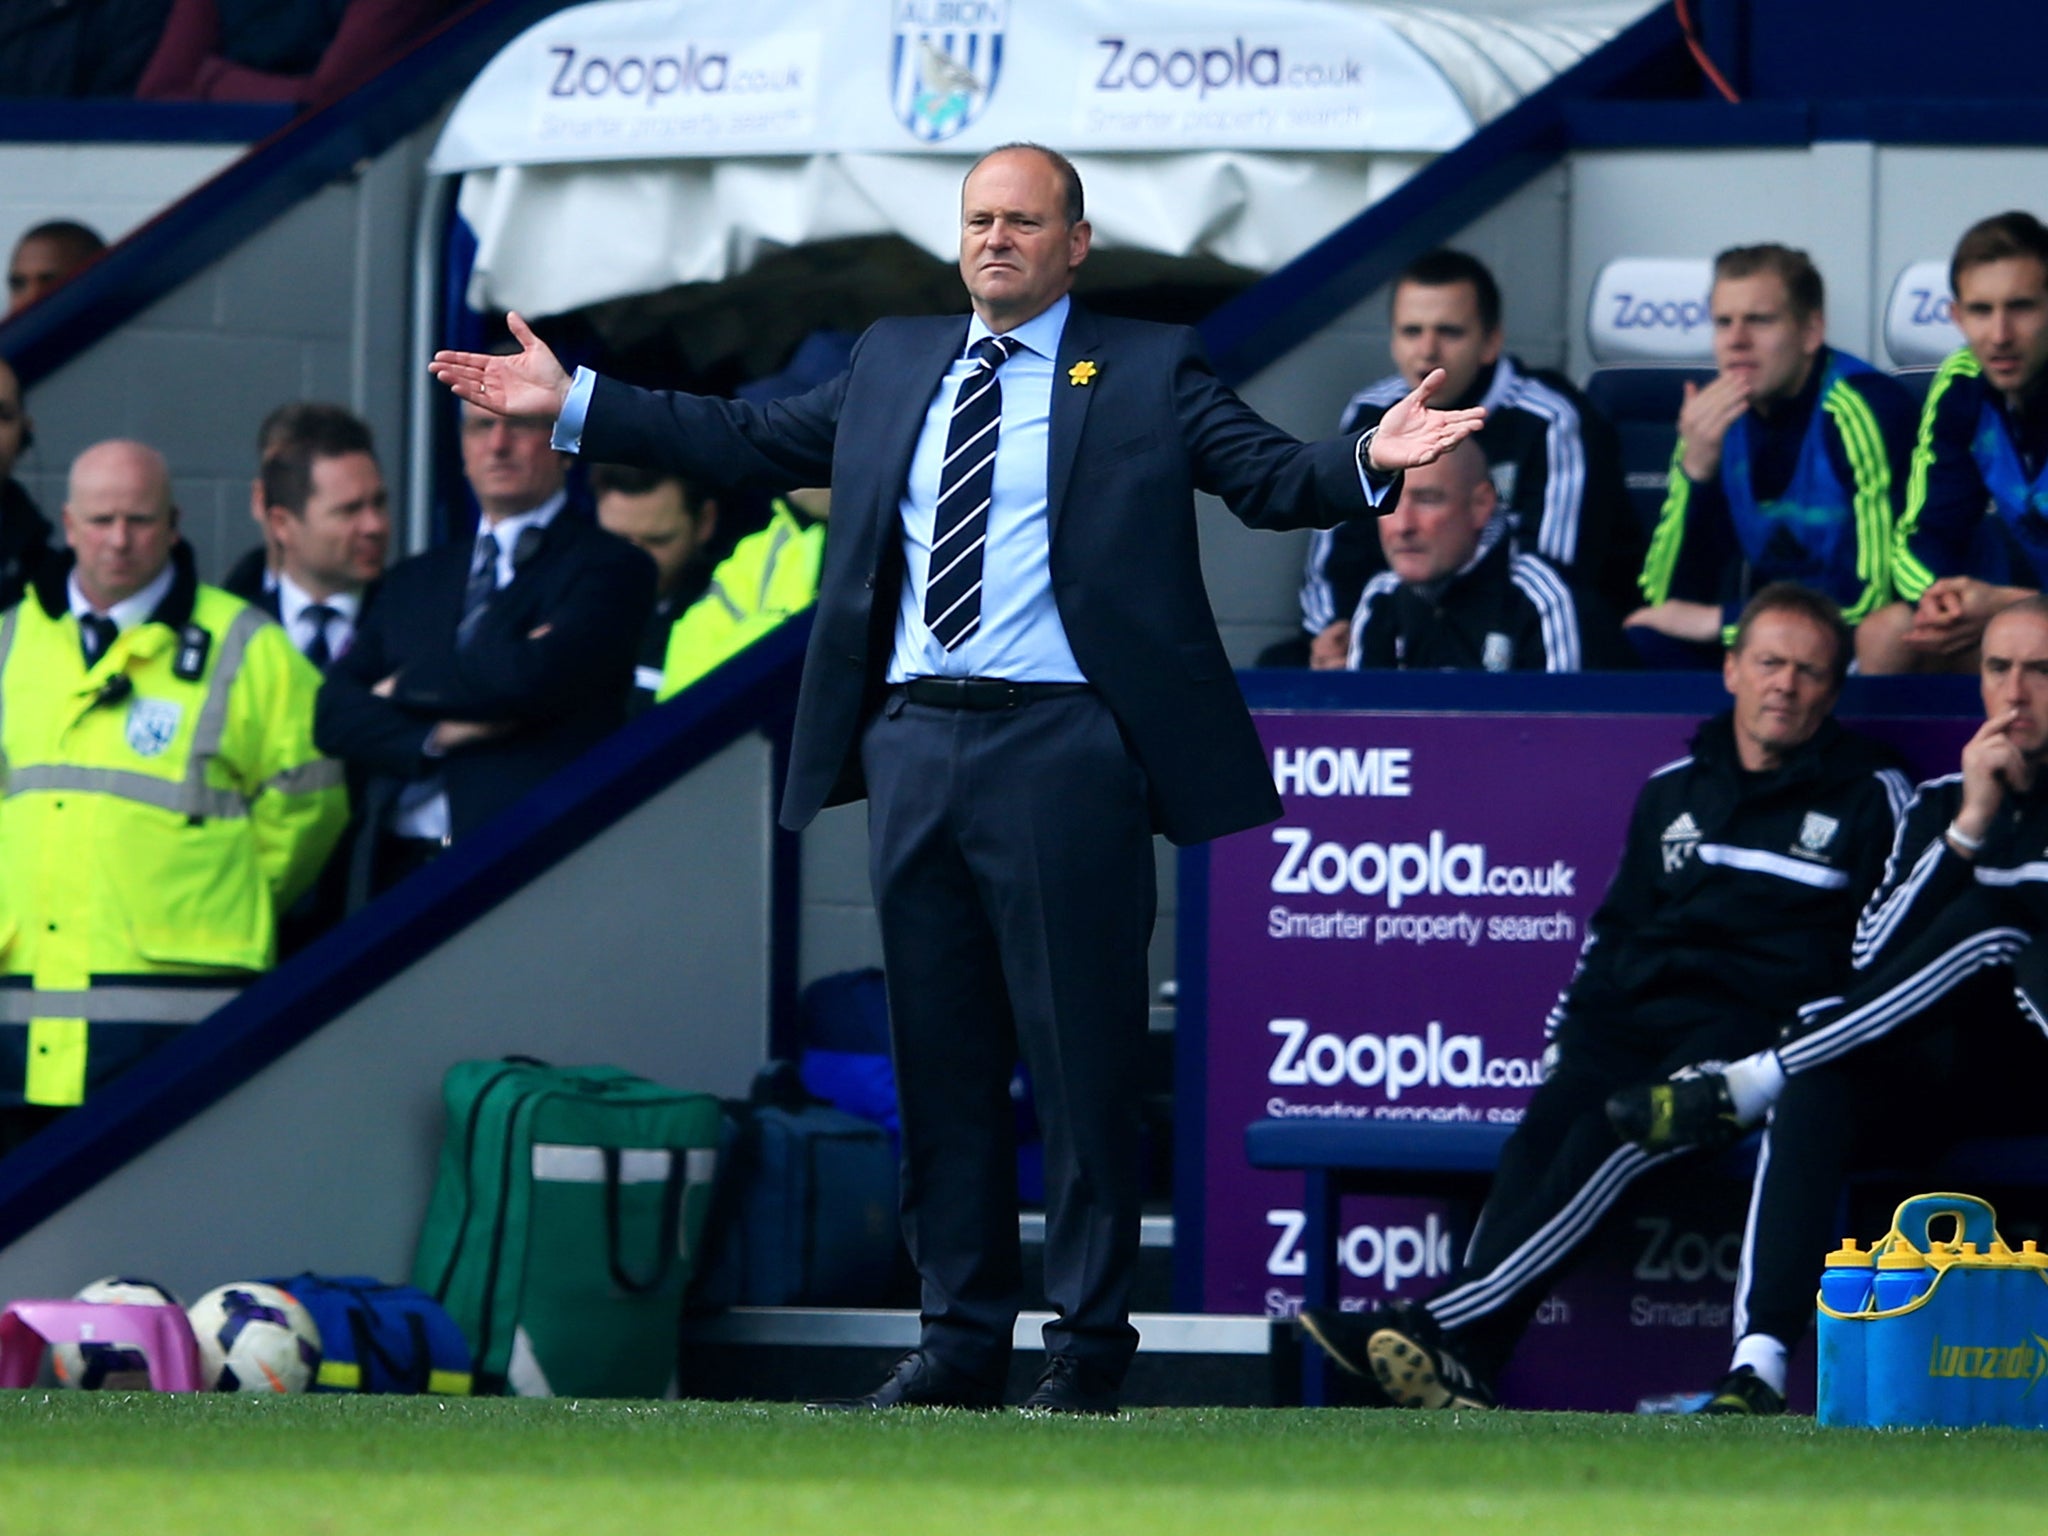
[993, 351]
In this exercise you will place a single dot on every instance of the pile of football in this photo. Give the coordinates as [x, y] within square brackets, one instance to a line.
[252, 1338]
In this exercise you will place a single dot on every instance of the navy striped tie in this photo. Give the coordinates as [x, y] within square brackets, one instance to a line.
[952, 590]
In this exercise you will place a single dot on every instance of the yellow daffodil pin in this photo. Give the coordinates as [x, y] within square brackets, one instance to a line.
[1081, 373]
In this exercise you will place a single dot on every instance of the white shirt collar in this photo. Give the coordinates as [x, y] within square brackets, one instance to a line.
[1041, 333]
[293, 600]
[133, 609]
[505, 532]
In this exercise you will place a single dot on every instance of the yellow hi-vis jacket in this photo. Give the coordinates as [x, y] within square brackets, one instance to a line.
[159, 810]
[768, 576]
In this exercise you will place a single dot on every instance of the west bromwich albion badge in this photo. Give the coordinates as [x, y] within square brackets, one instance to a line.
[153, 726]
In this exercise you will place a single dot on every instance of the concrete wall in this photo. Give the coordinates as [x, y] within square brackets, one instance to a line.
[312, 307]
[324, 1160]
[107, 187]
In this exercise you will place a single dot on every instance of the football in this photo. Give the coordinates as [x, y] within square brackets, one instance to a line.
[110, 1365]
[254, 1338]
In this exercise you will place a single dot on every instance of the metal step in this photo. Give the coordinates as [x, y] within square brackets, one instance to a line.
[1159, 1333]
[1153, 1231]
[784, 1354]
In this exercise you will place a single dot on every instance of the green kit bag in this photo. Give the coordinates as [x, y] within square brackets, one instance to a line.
[564, 1224]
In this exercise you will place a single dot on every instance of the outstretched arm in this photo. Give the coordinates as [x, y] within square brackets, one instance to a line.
[529, 382]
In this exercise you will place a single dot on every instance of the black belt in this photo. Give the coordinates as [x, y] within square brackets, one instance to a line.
[983, 692]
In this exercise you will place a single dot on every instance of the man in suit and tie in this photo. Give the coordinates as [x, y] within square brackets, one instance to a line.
[327, 513]
[1015, 661]
[327, 516]
[485, 664]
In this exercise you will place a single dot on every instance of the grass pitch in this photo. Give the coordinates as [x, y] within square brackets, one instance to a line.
[221, 1465]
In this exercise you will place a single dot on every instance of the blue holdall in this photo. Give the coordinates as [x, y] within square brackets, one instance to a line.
[805, 1209]
[382, 1338]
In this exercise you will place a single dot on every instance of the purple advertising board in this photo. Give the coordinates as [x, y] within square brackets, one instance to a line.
[1389, 949]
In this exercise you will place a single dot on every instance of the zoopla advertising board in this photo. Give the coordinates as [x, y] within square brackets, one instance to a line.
[1388, 950]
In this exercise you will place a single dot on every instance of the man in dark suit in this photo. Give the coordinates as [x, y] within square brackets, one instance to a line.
[1014, 659]
[327, 514]
[484, 666]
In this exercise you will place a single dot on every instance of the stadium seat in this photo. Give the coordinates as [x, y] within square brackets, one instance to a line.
[1643, 405]
[1917, 382]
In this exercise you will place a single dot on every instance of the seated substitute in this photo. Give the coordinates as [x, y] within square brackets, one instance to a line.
[164, 799]
[1555, 461]
[1974, 536]
[1744, 867]
[1938, 1035]
[1457, 596]
[672, 522]
[1790, 466]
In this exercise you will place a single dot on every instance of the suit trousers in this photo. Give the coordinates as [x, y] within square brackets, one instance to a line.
[1011, 858]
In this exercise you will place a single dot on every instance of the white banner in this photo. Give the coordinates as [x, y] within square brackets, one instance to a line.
[637, 79]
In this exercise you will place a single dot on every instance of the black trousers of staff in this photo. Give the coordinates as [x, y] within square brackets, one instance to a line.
[1932, 1044]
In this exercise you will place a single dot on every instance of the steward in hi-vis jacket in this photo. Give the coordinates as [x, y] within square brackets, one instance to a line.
[163, 802]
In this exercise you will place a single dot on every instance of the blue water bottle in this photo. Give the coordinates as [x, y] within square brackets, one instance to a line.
[2030, 1311]
[1903, 1276]
[1895, 1352]
[1844, 1292]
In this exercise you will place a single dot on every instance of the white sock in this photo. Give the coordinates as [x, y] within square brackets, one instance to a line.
[1754, 1084]
[1764, 1355]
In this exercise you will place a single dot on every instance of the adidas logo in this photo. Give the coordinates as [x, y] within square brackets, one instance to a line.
[1679, 839]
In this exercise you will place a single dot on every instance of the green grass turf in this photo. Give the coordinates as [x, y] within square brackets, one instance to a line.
[220, 1465]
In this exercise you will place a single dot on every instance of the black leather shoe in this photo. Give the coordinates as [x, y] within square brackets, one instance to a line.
[1071, 1386]
[918, 1381]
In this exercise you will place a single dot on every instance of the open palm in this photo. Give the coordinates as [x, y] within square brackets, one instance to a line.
[1411, 434]
[529, 382]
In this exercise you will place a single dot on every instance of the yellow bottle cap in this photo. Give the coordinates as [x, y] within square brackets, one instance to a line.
[1851, 1252]
[1905, 1256]
[2030, 1254]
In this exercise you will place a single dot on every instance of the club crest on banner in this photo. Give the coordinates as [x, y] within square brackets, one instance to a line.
[152, 726]
[944, 63]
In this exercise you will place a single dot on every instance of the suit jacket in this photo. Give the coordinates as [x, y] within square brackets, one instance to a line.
[560, 691]
[1131, 440]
